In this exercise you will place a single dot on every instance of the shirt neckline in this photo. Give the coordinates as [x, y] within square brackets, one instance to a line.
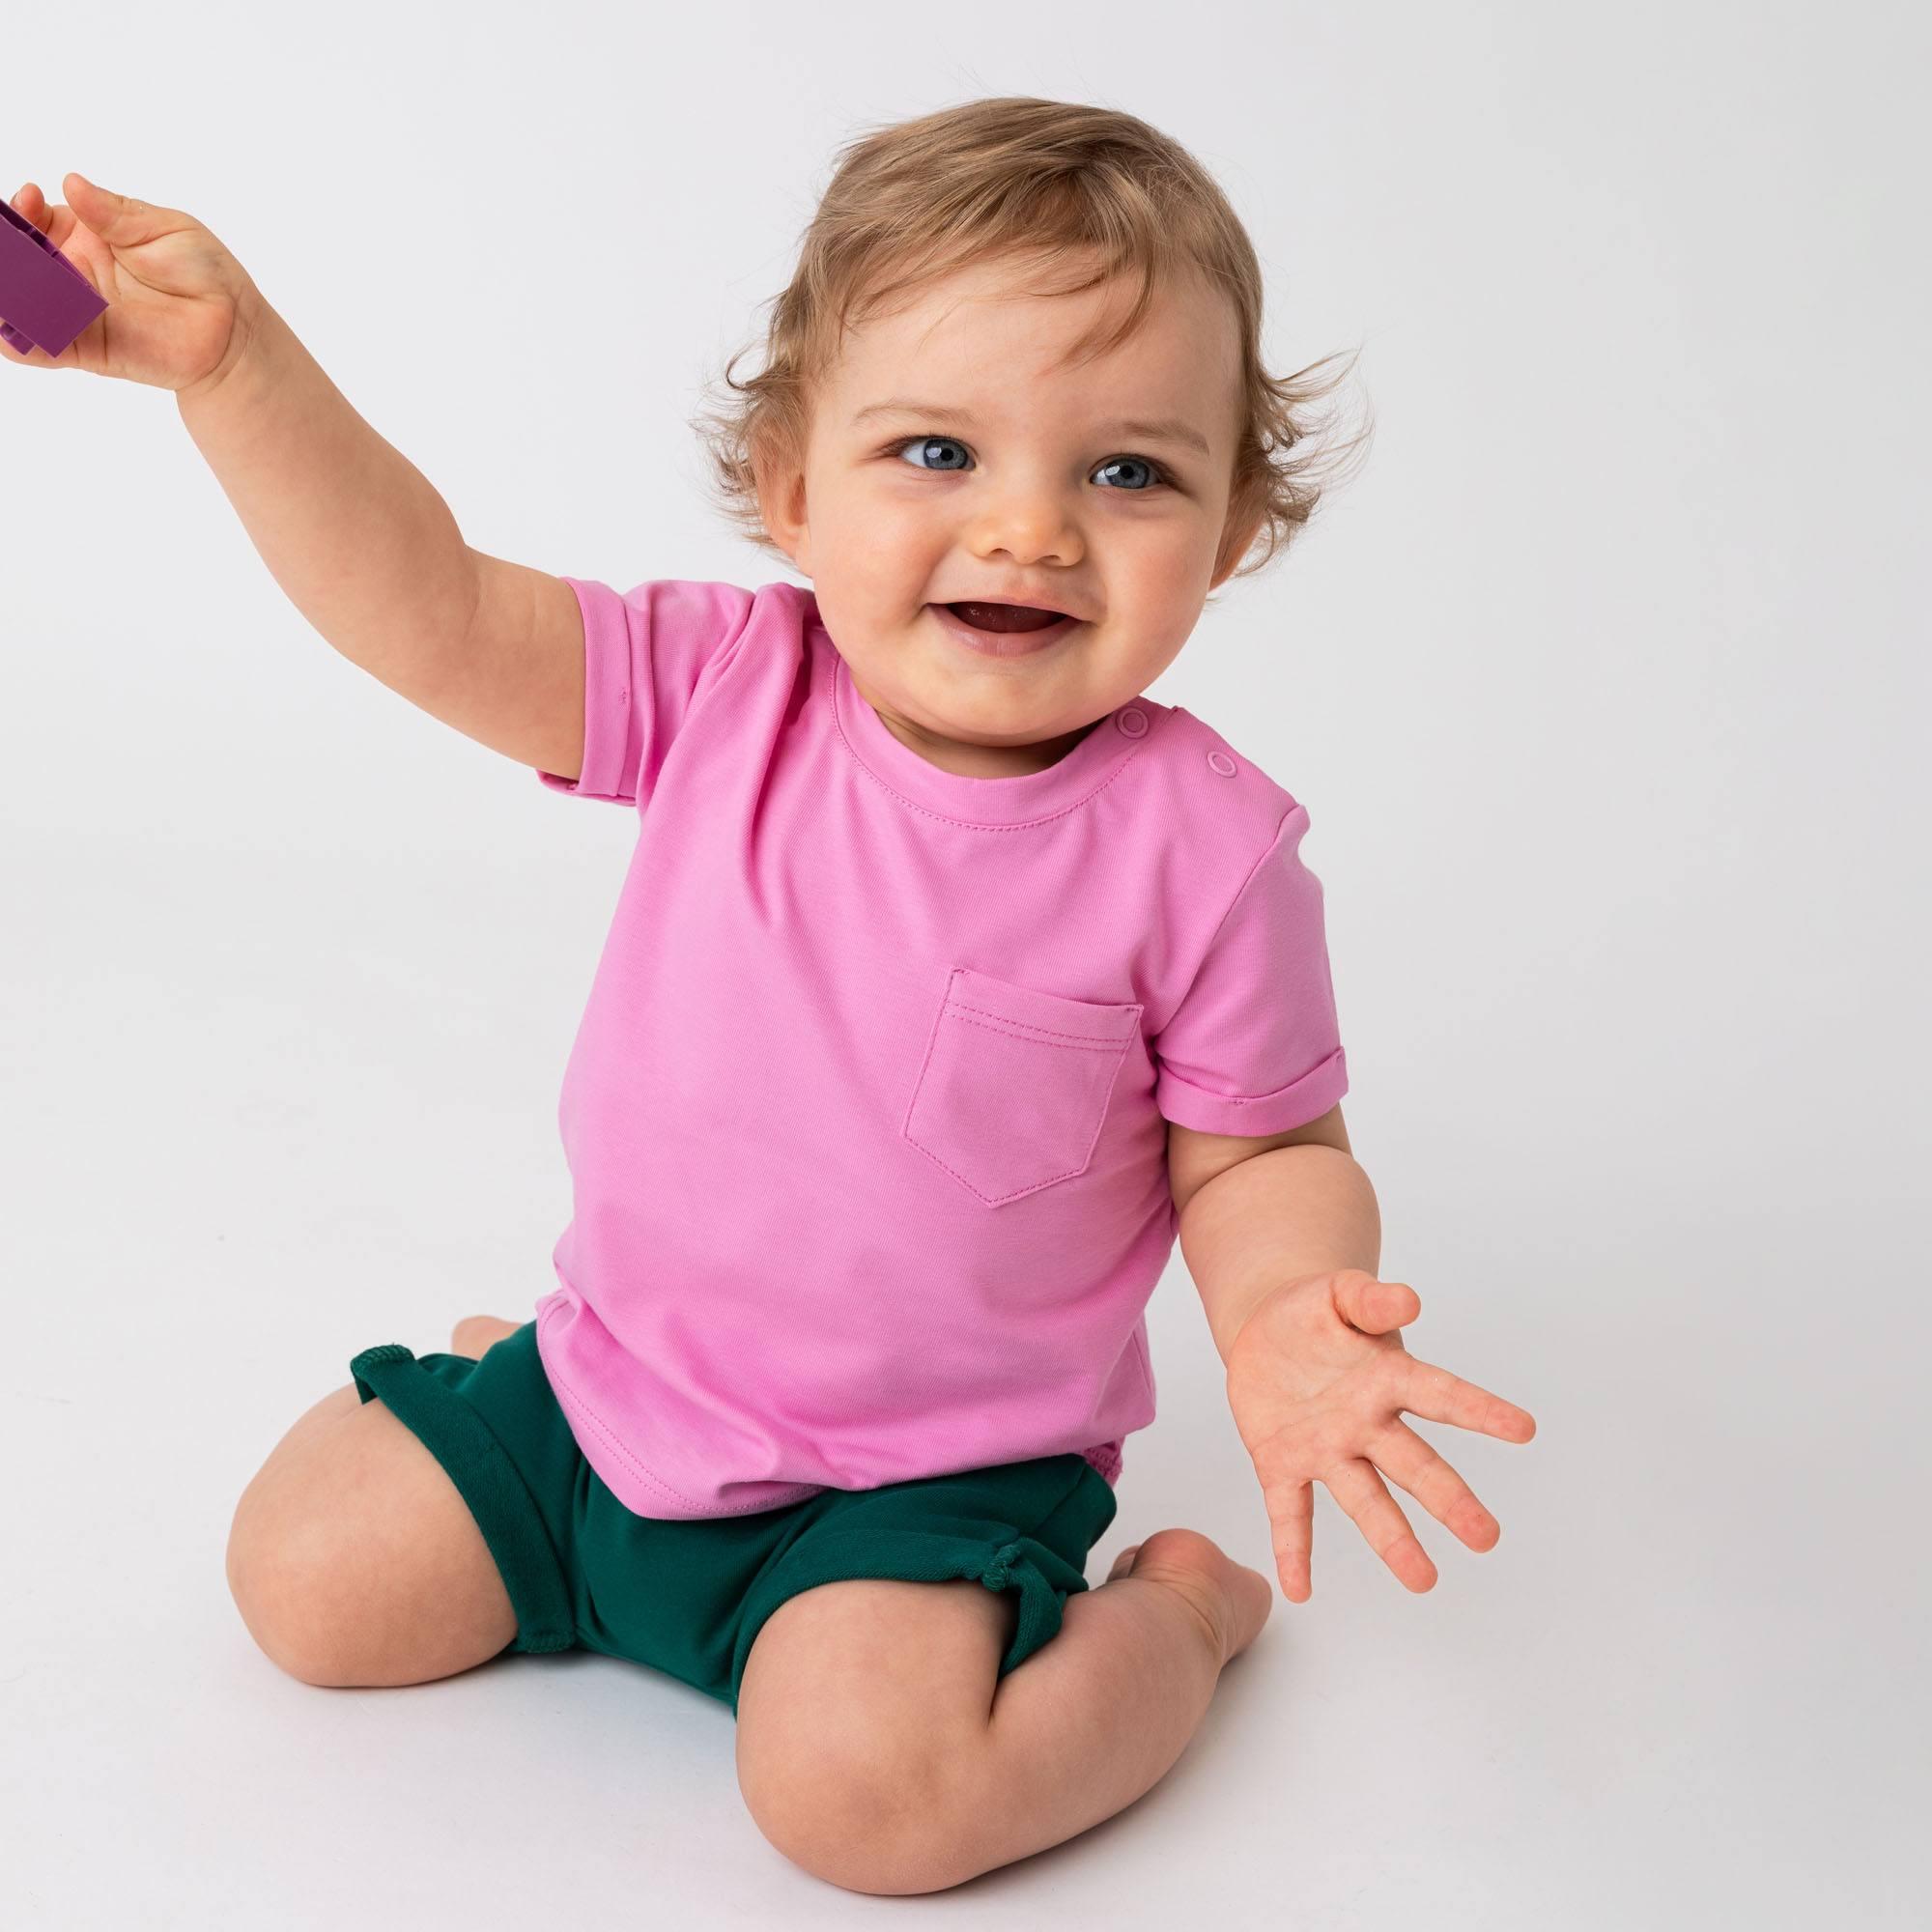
[1089, 766]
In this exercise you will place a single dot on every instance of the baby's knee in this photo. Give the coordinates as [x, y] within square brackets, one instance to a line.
[268, 1578]
[862, 1845]
[281, 1592]
[863, 1813]
[353, 1558]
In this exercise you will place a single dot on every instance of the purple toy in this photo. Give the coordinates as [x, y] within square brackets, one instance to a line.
[46, 300]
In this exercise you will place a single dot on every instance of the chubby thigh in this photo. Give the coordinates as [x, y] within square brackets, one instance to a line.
[865, 1700]
[354, 1559]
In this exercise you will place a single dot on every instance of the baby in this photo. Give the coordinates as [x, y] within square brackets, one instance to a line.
[951, 980]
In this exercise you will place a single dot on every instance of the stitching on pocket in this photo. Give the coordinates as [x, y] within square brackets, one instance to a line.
[1025, 1030]
[968, 1009]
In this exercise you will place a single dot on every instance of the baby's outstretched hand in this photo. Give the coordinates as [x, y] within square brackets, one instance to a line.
[179, 308]
[1316, 1379]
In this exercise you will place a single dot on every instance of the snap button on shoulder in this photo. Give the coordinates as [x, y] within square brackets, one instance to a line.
[1219, 761]
[1133, 724]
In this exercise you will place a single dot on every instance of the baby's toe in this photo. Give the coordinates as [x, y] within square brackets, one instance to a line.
[475, 1334]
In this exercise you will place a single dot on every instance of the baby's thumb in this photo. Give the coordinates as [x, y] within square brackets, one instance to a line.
[112, 217]
[1375, 1307]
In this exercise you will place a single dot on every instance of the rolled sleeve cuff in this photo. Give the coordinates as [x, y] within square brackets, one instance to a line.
[609, 767]
[1295, 1105]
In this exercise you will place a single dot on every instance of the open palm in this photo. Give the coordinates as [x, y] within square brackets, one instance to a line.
[1316, 1380]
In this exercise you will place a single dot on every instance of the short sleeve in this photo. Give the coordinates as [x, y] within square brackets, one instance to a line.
[1253, 1047]
[646, 656]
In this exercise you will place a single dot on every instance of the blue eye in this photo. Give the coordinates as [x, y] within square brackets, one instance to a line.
[1156, 475]
[1153, 469]
[922, 443]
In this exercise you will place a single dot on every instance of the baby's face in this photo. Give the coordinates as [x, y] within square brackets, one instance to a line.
[954, 458]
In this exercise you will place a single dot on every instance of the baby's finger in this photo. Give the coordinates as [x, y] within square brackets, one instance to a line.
[1357, 1486]
[55, 221]
[1375, 1307]
[1403, 1456]
[1292, 1511]
[1437, 1396]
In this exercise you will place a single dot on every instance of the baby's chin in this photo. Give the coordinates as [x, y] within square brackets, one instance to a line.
[1006, 739]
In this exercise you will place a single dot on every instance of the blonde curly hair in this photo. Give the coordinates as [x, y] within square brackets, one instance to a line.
[1014, 176]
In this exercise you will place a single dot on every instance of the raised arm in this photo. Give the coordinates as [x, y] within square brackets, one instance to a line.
[369, 552]
[354, 534]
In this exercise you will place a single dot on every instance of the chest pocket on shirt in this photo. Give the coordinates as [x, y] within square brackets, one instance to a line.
[1015, 1083]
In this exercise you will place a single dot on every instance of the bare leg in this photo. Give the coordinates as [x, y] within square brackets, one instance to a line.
[354, 1560]
[1098, 1716]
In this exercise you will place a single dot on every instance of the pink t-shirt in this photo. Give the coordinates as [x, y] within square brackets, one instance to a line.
[866, 1114]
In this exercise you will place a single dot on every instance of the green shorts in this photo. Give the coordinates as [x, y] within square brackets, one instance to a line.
[689, 1596]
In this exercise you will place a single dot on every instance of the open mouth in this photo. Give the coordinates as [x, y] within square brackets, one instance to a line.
[1006, 617]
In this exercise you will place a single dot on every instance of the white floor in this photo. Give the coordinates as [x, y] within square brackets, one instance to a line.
[258, 1116]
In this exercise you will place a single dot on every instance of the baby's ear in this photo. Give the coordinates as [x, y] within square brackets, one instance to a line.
[1247, 513]
[782, 505]
[1244, 525]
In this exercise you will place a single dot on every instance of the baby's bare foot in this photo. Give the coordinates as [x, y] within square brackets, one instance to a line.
[475, 1334]
[1234, 1600]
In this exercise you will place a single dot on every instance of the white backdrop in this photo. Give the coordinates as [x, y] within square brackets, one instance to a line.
[1602, 683]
